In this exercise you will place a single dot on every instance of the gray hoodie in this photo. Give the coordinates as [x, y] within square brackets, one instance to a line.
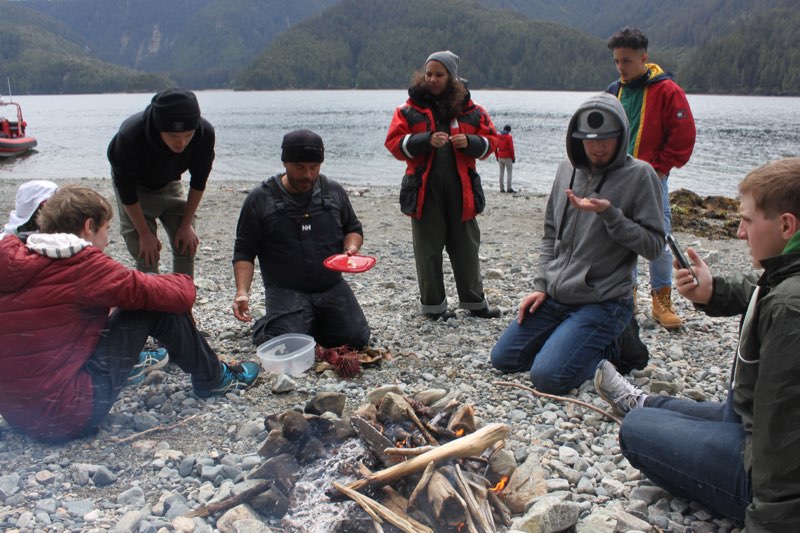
[588, 257]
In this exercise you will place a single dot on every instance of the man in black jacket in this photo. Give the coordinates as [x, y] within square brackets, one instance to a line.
[292, 222]
[148, 155]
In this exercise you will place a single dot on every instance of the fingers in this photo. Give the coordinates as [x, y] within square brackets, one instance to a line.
[241, 308]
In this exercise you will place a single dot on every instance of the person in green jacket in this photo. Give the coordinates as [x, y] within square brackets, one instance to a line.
[739, 458]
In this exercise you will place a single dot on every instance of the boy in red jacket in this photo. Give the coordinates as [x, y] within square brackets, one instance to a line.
[63, 358]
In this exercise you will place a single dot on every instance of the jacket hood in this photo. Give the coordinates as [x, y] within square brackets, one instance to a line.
[576, 153]
[21, 262]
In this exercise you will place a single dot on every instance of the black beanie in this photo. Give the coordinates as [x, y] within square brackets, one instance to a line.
[175, 110]
[302, 146]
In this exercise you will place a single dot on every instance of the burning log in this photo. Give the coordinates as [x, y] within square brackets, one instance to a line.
[467, 446]
[447, 506]
[463, 420]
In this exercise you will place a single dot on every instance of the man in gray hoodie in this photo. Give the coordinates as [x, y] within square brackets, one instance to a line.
[603, 211]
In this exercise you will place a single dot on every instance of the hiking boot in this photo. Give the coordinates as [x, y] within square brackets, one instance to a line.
[234, 377]
[489, 311]
[663, 312]
[512, 191]
[616, 390]
[149, 360]
[444, 315]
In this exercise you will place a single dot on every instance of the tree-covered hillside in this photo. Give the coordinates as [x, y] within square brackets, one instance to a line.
[36, 55]
[761, 57]
[199, 43]
[498, 49]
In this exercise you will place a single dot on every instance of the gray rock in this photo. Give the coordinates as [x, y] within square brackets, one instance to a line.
[548, 515]
[103, 476]
[283, 383]
[326, 402]
[133, 497]
[9, 485]
[129, 523]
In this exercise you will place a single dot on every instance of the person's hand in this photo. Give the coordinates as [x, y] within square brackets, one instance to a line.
[594, 205]
[459, 140]
[530, 304]
[351, 250]
[698, 291]
[513, 161]
[241, 308]
[186, 240]
[439, 139]
[149, 248]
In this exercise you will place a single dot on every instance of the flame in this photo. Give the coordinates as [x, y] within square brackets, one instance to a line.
[400, 443]
[460, 432]
[500, 484]
[460, 526]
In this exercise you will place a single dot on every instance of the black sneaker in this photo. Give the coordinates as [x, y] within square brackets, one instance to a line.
[512, 191]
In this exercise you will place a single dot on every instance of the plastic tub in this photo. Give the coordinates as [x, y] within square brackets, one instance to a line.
[290, 353]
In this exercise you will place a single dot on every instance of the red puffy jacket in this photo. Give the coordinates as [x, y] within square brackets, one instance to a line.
[413, 118]
[52, 313]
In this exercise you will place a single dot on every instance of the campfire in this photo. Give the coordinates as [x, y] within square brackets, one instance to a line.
[418, 468]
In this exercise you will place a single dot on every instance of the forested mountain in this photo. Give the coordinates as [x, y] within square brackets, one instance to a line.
[40, 55]
[499, 49]
[761, 57]
[200, 43]
[70, 45]
[671, 24]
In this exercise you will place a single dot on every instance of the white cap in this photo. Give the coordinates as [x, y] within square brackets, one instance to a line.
[30, 196]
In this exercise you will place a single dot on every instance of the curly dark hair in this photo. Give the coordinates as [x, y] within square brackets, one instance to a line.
[628, 37]
[451, 101]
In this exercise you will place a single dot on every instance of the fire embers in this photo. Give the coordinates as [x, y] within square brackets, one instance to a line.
[443, 472]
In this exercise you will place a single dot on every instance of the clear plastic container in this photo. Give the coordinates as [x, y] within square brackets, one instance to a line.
[291, 353]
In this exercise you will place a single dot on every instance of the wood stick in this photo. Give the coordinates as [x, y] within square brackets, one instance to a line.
[230, 502]
[408, 452]
[559, 398]
[390, 516]
[452, 404]
[120, 440]
[423, 482]
[396, 502]
[425, 433]
[467, 446]
[503, 512]
[485, 522]
[448, 508]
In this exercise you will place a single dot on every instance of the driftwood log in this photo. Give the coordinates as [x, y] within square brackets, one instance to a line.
[467, 446]
[445, 503]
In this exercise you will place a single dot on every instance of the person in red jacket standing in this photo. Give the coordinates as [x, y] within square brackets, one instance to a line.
[440, 132]
[505, 157]
[64, 356]
[662, 133]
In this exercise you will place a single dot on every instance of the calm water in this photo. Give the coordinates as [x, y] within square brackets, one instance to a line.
[735, 134]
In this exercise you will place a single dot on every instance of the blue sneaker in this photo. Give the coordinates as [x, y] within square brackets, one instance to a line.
[234, 377]
[149, 360]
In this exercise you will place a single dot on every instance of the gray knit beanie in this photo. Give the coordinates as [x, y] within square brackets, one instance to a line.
[448, 59]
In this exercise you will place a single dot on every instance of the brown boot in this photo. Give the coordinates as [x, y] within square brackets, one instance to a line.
[663, 312]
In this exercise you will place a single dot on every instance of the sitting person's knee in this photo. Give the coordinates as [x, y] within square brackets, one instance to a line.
[550, 383]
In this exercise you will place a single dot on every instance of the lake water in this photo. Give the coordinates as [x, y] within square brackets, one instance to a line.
[734, 134]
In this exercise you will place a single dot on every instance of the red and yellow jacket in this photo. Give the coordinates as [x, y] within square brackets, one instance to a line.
[408, 140]
[661, 122]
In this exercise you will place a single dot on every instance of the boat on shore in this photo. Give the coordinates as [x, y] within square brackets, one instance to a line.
[13, 140]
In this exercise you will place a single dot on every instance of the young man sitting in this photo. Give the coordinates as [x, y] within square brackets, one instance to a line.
[64, 357]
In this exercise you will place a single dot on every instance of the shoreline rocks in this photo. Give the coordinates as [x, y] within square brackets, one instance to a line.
[576, 449]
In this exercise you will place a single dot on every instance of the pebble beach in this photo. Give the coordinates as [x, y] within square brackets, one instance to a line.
[148, 483]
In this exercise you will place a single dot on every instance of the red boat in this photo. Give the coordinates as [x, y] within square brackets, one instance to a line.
[13, 140]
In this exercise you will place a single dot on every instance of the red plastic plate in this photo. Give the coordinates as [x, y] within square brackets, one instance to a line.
[350, 263]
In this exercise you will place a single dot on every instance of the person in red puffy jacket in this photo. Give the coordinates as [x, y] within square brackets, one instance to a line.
[64, 356]
[505, 157]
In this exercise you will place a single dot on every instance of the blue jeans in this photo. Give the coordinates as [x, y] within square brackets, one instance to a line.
[561, 344]
[691, 449]
[661, 267]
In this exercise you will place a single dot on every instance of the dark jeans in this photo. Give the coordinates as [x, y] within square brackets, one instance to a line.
[333, 317]
[691, 449]
[123, 340]
[561, 344]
